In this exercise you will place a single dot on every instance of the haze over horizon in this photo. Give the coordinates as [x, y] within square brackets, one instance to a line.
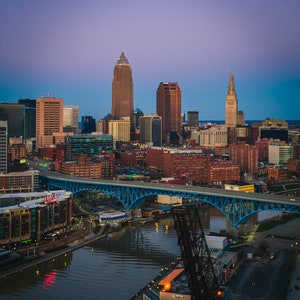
[69, 48]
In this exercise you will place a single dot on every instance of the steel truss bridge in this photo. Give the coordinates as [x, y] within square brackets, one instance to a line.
[236, 206]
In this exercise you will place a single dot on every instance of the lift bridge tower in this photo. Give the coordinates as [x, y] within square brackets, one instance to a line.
[195, 254]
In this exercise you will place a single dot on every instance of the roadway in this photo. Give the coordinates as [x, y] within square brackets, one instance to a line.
[280, 199]
[267, 278]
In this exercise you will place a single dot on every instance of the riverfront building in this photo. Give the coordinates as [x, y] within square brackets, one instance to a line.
[122, 90]
[168, 106]
[29, 216]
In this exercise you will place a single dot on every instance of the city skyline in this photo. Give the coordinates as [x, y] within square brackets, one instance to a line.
[69, 50]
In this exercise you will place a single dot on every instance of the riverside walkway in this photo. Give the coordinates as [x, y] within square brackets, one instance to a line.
[75, 241]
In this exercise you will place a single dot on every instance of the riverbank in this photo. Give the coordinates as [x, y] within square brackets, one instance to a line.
[79, 239]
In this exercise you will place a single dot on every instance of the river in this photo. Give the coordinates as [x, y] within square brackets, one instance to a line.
[115, 267]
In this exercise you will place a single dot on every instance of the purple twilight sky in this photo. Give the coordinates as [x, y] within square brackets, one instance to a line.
[69, 48]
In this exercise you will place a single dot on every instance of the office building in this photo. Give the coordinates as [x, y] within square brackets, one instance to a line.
[272, 129]
[120, 130]
[89, 144]
[263, 149]
[151, 130]
[3, 147]
[193, 119]
[30, 216]
[245, 155]
[19, 182]
[136, 117]
[122, 91]
[168, 106]
[212, 137]
[221, 172]
[240, 118]
[231, 104]
[88, 124]
[280, 154]
[277, 173]
[14, 115]
[29, 118]
[70, 118]
[49, 119]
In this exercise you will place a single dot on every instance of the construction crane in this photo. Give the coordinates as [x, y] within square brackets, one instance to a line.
[195, 254]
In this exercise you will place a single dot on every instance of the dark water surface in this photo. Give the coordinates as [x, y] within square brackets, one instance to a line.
[116, 267]
[112, 268]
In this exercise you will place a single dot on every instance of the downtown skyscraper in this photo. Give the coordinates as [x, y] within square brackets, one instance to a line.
[168, 106]
[49, 119]
[231, 104]
[122, 91]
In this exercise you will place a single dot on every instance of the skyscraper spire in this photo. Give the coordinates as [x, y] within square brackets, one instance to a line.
[231, 86]
[122, 60]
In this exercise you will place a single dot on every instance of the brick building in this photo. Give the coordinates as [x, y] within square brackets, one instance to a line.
[16, 151]
[224, 172]
[134, 158]
[97, 168]
[263, 149]
[245, 155]
[277, 173]
[194, 166]
[154, 158]
[14, 182]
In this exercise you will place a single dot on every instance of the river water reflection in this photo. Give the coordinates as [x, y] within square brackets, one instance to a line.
[115, 267]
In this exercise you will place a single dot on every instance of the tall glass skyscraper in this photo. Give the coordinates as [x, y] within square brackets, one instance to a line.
[122, 91]
[29, 117]
[14, 115]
